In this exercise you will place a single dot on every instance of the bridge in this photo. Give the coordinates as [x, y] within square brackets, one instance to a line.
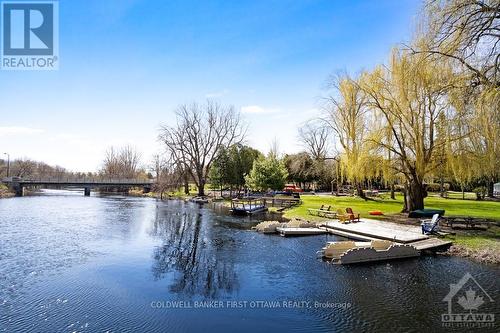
[19, 184]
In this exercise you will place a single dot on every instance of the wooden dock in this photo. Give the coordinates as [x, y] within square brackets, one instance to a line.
[349, 235]
[431, 244]
[368, 230]
[284, 231]
[395, 232]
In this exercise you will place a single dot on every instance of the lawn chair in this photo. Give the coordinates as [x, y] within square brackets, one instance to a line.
[430, 226]
[343, 217]
[352, 215]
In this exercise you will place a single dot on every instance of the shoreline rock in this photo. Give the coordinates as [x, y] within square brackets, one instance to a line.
[480, 255]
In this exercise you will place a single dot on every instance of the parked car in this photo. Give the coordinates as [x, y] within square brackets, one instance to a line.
[292, 188]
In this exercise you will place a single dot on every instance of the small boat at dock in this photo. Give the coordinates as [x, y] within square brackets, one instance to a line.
[349, 252]
[199, 200]
[247, 206]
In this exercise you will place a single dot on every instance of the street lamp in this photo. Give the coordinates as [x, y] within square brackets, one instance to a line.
[8, 163]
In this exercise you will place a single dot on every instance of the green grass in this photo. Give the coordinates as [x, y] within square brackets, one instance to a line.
[489, 240]
[458, 195]
[486, 209]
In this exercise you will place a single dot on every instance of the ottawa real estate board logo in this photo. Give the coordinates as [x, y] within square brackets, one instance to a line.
[468, 305]
[29, 35]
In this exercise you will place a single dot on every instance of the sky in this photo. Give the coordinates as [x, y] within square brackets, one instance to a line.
[125, 65]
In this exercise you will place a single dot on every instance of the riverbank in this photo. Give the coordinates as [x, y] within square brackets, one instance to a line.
[482, 246]
[5, 192]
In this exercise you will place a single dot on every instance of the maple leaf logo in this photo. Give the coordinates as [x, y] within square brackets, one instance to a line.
[470, 301]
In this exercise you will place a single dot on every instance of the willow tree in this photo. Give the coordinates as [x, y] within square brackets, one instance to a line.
[409, 96]
[347, 116]
[467, 33]
[486, 136]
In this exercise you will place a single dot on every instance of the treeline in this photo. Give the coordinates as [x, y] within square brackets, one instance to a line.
[28, 168]
[118, 163]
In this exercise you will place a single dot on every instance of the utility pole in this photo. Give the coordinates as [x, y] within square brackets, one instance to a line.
[8, 164]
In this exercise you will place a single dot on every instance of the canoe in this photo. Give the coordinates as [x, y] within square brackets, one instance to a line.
[419, 213]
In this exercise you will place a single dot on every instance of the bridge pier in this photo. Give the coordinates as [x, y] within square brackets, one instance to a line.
[87, 191]
[18, 189]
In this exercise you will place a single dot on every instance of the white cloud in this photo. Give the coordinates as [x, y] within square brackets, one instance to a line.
[255, 109]
[217, 94]
[17, 130]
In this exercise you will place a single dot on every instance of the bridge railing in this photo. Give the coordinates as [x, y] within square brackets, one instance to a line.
[85, 180]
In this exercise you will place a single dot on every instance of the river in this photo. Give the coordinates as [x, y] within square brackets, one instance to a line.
[70, 263]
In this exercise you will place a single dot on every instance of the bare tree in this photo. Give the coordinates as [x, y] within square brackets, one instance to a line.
[167, 173]
[23, 168]
[314, 136]
[121, 162]
[200, 132]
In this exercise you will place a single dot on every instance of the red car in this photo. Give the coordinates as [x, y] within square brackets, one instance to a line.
[293, 189]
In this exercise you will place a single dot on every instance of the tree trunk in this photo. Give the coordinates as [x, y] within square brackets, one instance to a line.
[405, 198]
[441, 187]
[186, 184]
[393, 196]
[463, 192]
[491, 185]
[415, 197]
[359, 190]
[201, 188]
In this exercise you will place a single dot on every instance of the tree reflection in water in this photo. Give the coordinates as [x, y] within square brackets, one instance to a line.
[193, 250]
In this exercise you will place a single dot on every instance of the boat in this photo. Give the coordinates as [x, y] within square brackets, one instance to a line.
[247, 206]
[350, 252]
[199, 200]
[421, 213]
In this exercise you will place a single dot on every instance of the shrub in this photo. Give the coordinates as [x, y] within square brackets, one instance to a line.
[480, 192]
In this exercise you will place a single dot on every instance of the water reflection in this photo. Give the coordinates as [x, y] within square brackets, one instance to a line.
[191, 253]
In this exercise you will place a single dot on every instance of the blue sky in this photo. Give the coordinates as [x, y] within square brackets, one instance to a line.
[126, 64]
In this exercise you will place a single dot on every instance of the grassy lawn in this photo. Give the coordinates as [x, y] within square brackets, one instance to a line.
[488, 240]
[458, 195]
[487, 209]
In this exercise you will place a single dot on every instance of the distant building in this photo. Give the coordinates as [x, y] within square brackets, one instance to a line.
[496, 190]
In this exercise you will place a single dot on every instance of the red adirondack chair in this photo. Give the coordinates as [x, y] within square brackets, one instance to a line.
[352, 216]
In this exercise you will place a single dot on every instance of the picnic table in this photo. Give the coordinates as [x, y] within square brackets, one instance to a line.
[324, 211]
[469, 221]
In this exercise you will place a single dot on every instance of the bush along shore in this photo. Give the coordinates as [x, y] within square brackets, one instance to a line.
[5, 192]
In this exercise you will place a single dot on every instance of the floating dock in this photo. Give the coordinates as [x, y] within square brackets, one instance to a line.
[248, 206]
[368, 230]
[379, 229]
[431, 244]
[283, 231]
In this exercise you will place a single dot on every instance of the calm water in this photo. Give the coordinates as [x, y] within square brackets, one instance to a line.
[70, 263]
